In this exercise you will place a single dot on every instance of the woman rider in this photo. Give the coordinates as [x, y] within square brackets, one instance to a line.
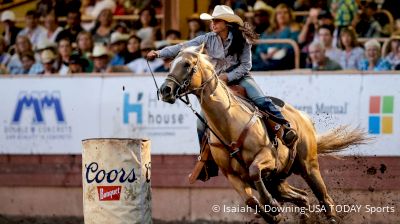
[229, 48]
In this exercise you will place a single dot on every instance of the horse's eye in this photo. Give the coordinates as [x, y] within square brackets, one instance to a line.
[186, 65]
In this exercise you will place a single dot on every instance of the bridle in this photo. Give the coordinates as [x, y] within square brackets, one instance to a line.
[183, 88]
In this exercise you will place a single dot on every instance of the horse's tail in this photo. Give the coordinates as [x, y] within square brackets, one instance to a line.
[340, 138]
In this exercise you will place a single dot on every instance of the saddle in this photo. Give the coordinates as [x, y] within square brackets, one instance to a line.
[206, 167]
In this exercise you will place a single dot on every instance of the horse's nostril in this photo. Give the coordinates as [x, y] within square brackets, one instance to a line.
[166, 90]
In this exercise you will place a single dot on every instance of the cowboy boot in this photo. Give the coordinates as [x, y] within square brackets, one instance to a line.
[289, 136]
[284, 132]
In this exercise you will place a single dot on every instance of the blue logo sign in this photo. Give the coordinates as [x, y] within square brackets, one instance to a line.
[38, 102]
[133, 108]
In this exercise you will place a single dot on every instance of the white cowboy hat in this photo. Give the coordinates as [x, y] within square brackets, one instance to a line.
[7, 15]
[99, 50]
[223, 12]
[118, 37]
[101, 5]
[44, 43]
[372, 43]
[262, 6]
[47, 56]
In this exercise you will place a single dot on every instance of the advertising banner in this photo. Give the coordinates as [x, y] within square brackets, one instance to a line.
[52, 115]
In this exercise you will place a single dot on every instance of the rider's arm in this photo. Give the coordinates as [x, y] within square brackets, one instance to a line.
[172, 51]
[244, 66]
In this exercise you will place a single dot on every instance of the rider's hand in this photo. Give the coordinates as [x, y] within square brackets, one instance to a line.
[151, 55]
[223, 77]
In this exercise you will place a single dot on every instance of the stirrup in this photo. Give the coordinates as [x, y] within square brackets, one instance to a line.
[289, 137]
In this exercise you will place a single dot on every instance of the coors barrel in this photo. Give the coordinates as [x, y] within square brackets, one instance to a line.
[116, 181]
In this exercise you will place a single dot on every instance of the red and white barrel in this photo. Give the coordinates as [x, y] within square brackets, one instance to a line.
[116, 181]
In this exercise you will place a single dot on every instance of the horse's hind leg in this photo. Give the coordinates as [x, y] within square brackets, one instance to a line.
[245, 192]
[314, 179]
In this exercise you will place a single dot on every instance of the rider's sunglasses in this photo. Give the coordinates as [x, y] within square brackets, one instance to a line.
[217, 20]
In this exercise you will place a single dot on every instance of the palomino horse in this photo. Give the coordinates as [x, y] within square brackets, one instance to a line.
[192, 72]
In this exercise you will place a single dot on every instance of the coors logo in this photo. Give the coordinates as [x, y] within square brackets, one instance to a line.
[109, 193]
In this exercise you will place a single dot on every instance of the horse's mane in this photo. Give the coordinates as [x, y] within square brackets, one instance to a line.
[203, 58]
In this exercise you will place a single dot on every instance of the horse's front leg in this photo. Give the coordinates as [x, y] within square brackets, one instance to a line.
[264, 163]
[245, 191]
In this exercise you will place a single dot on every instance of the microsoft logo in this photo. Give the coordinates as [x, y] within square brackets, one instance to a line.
[381, 114]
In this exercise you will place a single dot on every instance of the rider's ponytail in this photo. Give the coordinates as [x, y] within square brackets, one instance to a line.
[240, 34]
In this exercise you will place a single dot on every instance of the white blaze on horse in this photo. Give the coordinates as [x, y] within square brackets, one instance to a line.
[192, 73]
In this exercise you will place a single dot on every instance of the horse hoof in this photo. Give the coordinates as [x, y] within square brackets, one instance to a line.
[333, 220]
[277, 219]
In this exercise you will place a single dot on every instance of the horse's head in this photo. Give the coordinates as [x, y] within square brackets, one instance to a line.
[184, 75]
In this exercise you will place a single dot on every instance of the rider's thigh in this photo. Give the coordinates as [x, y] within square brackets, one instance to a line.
[254, 92]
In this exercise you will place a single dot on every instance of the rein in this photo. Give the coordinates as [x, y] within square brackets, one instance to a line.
[189, 105]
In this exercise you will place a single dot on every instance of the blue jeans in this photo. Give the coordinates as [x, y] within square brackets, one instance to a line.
[256, 95]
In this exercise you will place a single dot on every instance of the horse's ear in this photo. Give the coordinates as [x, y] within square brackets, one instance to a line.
[200, 48]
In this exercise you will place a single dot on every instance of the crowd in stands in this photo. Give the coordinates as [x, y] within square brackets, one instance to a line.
[328, 36]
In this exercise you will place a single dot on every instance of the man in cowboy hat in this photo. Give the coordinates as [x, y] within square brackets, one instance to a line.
[10, 30]
[139, 65]
[101, 59]
[118, 43]
[262, 15]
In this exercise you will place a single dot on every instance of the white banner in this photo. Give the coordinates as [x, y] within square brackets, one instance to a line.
[52, 115]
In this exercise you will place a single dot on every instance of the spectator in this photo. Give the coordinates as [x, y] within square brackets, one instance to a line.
[397, 27]
[85, 43]
[101, 59]
[147, 27]
[32, 30]
[196, 26]
[87, 7]
[367, 26]
[309, 29]
[120, 8]
[44, 7]
[103, 27]
[320, 62]
[325, 34]
[10, 30]
[164, 67]
[170, 37]
[303, 5]
[85, 47]
[121, 28]
[262, 16]
[345, 11]
[72, 28]
[64, 51]
[22, 45]
[4, 56]
[139, 65]
[393, 57]
[100, 6]
[52, 28]
[277, 56]
[373, 61]
[27, 60]
[352, 53]
[133, 48]
[78, 63]
[44, 44]
[48, 59]
[118, 48]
